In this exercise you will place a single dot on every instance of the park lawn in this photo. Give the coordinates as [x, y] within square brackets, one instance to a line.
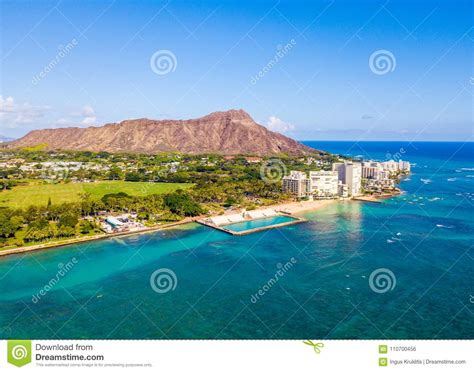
[38, 194]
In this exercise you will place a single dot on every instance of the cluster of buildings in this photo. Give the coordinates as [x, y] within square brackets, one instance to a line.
[122, 223]
[11, 163]
[346, 179]
[55, 170]
[54, 166]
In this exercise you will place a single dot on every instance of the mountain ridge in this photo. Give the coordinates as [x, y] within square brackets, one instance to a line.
[231, 132]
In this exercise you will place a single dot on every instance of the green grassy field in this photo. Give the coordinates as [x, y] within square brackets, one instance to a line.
[38, 194]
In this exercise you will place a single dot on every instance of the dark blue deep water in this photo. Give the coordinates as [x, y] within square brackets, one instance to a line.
[305, 281]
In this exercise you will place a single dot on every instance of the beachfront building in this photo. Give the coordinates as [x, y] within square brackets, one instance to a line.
[393, 166]
[350, 174]
[404, 166]
[125, 222]
[324, 183]
[342, 190]
[347, 179]
[390, 166]
[380, 177]
[297, 183]
[373, 170]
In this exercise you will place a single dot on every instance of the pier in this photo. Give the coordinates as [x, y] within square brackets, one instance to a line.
[224, 223]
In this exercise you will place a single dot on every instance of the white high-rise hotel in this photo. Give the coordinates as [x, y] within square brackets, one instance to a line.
[297, 184]
[344, 180]
[350, 174]
[323, 183]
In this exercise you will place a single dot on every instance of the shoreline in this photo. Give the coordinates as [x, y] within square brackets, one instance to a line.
[303, 206]
[376, 198]
[288, 208]
[86, 239]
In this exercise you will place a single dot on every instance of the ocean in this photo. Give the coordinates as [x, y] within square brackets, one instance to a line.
[400, 269]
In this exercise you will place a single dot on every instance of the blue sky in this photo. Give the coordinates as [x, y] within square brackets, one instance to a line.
[303, 68]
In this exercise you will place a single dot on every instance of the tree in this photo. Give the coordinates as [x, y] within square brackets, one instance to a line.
[115, 173]
[68, 220]
[40, 230]
[180, 202]
[9, 223]
[65, 231]
[133, 177]
[86, 227]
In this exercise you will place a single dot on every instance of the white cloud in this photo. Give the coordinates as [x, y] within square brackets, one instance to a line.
[88, 111]
[89, 115]
[23, 116]
[85, 116]
[64, 121]
[89, 120]
[6, 105]
[13, 114]
[277, 125]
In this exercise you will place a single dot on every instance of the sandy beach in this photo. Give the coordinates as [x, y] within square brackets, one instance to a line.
[303, 206]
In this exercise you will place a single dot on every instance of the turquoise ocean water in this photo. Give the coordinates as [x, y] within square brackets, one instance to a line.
[305, 281]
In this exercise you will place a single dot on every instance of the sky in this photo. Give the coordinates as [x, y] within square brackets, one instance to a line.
[312, 70]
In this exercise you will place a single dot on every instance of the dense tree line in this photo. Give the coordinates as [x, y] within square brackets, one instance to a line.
[39, 224]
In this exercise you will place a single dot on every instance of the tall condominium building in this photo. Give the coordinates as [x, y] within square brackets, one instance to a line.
[350, 174]
[396, 166]
[324, 183]
[404, 166]
[391, 166]
[342, 190]
[373, 170]
[297, 184]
